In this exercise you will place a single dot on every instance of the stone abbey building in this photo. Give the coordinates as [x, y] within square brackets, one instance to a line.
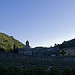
[39, 51]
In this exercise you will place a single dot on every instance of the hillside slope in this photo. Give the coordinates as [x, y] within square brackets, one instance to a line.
[67, 44]
[7, 42]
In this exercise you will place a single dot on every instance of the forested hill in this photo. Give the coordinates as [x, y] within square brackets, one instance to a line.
[7, 42]
[67, 44]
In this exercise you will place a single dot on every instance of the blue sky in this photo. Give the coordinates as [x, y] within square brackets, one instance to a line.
[42, 22]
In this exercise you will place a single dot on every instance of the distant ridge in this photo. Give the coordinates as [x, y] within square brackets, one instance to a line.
[7, 42]
[67, 44]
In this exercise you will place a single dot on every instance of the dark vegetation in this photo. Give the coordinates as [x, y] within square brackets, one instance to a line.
[30, 61]
[66, 44]
[7, 43]
[14, 70]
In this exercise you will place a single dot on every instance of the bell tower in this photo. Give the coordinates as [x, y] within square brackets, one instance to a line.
[27, 45]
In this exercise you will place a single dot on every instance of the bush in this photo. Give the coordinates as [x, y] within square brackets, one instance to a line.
[34, 71]
[25, 71]
[40, 71]
[73, 70]
[67, 71]
[54, 71]
[2, 70]
[13, 70]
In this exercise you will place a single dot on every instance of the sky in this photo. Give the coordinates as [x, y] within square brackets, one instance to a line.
[42, 22]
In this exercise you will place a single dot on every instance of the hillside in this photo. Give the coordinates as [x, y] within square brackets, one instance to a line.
[67, 44]
[7, 42]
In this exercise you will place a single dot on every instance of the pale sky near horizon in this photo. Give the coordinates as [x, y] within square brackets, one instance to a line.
[42, 22]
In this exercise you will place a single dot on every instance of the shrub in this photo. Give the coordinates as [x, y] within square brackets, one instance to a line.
[2, 69]
[13, 70]
[34, 71]
[25, 71]
[67, 71]
[73, 70]
[40, 71]
[54, 71]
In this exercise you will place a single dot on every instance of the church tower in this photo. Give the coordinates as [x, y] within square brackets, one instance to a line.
[27, 45]
[27, 49]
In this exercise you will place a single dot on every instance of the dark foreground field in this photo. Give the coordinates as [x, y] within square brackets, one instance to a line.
[34, 61]
[19, 64]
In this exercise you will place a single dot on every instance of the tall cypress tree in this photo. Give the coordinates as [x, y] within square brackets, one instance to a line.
[14, 48]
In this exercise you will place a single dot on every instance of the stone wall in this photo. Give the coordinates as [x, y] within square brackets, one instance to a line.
[25, 57]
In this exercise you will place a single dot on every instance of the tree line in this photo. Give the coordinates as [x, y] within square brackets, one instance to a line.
[66, 44]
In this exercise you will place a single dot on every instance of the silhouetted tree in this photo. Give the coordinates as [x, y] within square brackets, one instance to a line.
[2, 69]
[40, 71]
[63, 52]
[14, 48]
[55, 45]
[73, 70]
[67, 71]
[17, 50]
[54, 71]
